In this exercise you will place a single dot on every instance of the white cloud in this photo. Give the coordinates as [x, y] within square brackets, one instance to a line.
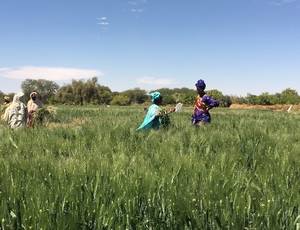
[102, 19]
[137, 10]
[283, 2]
[137, 2]
[49, 73]
[155, 82]
[134, 3]
[103, 22]
[138, 6]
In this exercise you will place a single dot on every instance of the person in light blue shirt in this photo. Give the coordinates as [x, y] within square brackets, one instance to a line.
[153, 117]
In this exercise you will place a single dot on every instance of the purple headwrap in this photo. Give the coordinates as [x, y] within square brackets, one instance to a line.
[200, 84]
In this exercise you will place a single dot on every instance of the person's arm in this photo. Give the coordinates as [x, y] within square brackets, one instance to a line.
[172, 110]
[160, 113]
[5, 116]
[210, 102]
[29, 107]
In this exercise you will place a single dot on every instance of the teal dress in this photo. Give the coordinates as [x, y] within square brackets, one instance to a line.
[151, 120]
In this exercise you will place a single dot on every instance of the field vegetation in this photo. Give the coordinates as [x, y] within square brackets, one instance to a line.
[91, 169]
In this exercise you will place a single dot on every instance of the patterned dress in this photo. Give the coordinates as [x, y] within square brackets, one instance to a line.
[201, 109]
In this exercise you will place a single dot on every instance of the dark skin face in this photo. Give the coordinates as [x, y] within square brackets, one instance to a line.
[201, 92]
[158, 101]
[33, 97]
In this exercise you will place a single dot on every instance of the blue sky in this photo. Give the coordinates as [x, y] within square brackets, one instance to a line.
[237, 46]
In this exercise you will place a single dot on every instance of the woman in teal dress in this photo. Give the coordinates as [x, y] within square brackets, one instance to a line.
[153, 118]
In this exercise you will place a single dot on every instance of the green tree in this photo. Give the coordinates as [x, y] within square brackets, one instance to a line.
[252, 99]
[184, 95]
[289, 96]
[84, 92]
[225, 101]
[104, 95]
[216, 94]
[238, 100]
[45, 88]
[167, 95]
[136, 96]
[65, 95]
[121, 100]
[189, 99]
[265, 99]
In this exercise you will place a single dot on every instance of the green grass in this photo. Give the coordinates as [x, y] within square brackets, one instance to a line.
[240, 172]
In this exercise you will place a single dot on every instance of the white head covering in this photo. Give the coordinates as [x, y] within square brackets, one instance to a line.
[17, 97]
[15, 114]
[33, 93]
[17, 100]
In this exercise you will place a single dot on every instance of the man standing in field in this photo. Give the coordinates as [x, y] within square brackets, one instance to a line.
[203, 104]
[33, 105]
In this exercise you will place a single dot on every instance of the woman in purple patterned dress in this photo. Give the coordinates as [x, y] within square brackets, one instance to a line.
[203, 104]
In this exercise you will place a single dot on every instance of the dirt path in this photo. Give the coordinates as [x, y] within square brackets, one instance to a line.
[294, 108]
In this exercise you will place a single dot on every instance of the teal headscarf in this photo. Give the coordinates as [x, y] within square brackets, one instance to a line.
[154, 95]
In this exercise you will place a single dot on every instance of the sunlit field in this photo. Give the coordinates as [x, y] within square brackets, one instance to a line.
[91, 169]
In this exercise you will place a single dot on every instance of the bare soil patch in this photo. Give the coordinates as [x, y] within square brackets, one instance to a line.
[266, 107]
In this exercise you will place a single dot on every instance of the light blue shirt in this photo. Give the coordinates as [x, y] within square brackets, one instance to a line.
[151, 120]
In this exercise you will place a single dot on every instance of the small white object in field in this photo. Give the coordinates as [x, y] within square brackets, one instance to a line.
[108, 106]
[178, 107]
[290, 109]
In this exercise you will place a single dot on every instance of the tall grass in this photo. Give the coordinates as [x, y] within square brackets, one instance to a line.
[94, 171]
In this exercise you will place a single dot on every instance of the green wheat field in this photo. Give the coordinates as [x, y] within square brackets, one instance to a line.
[91, 170]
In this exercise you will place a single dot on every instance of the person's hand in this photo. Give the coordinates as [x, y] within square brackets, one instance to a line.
[158, 113]
[172, 110]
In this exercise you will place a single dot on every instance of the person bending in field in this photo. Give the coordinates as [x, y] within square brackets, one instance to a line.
[155, 116]
[5, 105]
[7, 101]
[203, 104]
[32, 107]
[15, 114]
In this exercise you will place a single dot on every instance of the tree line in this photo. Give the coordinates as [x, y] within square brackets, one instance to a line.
[80, 92]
